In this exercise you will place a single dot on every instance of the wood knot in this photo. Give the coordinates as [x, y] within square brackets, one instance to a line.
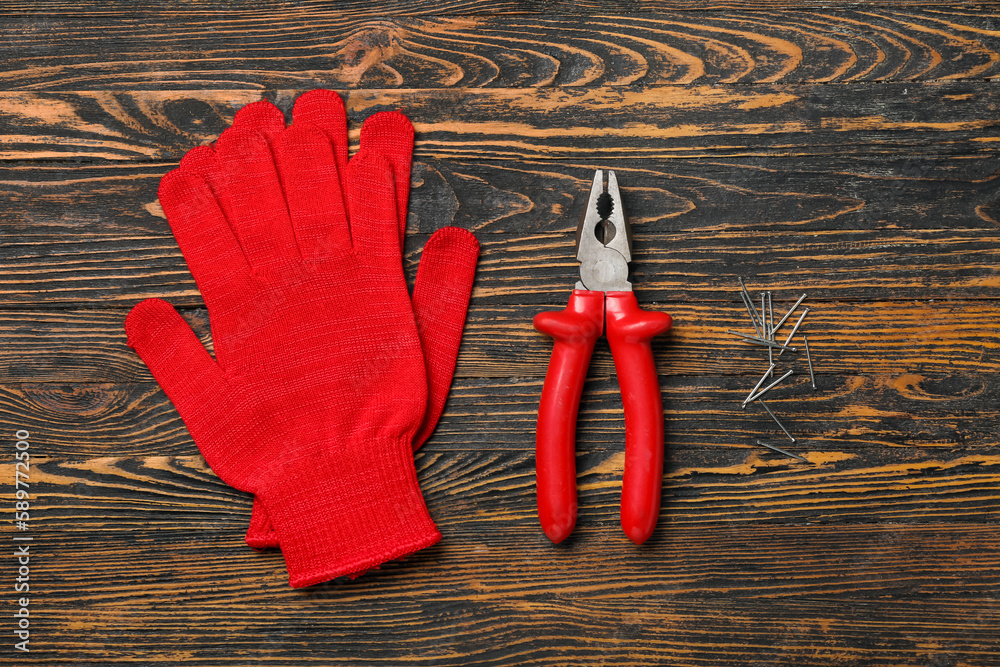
[940, 388]
[72, 401]
[364, 54]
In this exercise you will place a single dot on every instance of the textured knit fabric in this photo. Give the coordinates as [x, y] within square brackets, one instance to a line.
[447, 265]
[319, 386]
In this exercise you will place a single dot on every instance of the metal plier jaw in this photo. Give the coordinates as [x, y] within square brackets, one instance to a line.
[604, 239]
[604, 293]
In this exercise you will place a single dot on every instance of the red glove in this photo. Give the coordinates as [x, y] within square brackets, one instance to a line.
[319, 385]
[444, 280]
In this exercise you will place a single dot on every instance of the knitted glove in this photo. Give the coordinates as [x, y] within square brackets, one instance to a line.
[444, 280]
[319, 385]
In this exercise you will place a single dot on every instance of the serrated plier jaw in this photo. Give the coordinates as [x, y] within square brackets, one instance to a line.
[604, 238]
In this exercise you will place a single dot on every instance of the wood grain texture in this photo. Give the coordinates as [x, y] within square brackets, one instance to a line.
[770, 120]
[623, 629]
[481, 495]
[842, 149]
[170, 563]
[780, 194]
[336, 49]
[846, 413]
[540, 269]
[41, 11]
[843, 230]
[939, 337]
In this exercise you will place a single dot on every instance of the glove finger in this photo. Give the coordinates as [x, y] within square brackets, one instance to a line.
[254, 202]
[208, 244]
[204, 162]
[441, 296]
[305, 162]
[176, 358]
[324, 109]
[390, 134]
[260, 116]
[371, 203]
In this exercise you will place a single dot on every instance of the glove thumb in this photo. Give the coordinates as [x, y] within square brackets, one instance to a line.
[178, 361]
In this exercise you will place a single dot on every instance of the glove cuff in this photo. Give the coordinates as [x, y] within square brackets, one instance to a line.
[344, 518]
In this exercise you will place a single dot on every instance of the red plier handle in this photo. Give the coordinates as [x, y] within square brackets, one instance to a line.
[575, 330]
[630, 332]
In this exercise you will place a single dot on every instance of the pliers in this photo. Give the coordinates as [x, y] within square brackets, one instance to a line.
[603, 248]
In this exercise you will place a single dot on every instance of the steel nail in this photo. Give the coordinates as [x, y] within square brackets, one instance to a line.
[782, 451]
[755, 315]
[780, 425]
[757, 386]
[767, 388]
[763, 313]
[770, 316]
[790, 311]
[760, 341]
[770, 332]
[795, 328]
[812, 378]
[746, 304]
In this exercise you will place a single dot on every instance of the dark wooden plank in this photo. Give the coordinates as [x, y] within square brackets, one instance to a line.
[800, 524]
[540, 269]
[641, 6]
[936, 338]
[474, 628]
[924, 191]
[894, 120]
[221, 9]
[114, 244]
[297, 49]
[476, 495]
[149, 550]
[865, 414]
[107, 244]
[208, 560]
[19, 10]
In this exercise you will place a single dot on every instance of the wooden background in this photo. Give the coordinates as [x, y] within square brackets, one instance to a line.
[846, 150]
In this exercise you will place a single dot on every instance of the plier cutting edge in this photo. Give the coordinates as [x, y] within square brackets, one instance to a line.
[603, 248]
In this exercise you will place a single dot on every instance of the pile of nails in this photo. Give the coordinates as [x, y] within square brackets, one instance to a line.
[766, 336]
